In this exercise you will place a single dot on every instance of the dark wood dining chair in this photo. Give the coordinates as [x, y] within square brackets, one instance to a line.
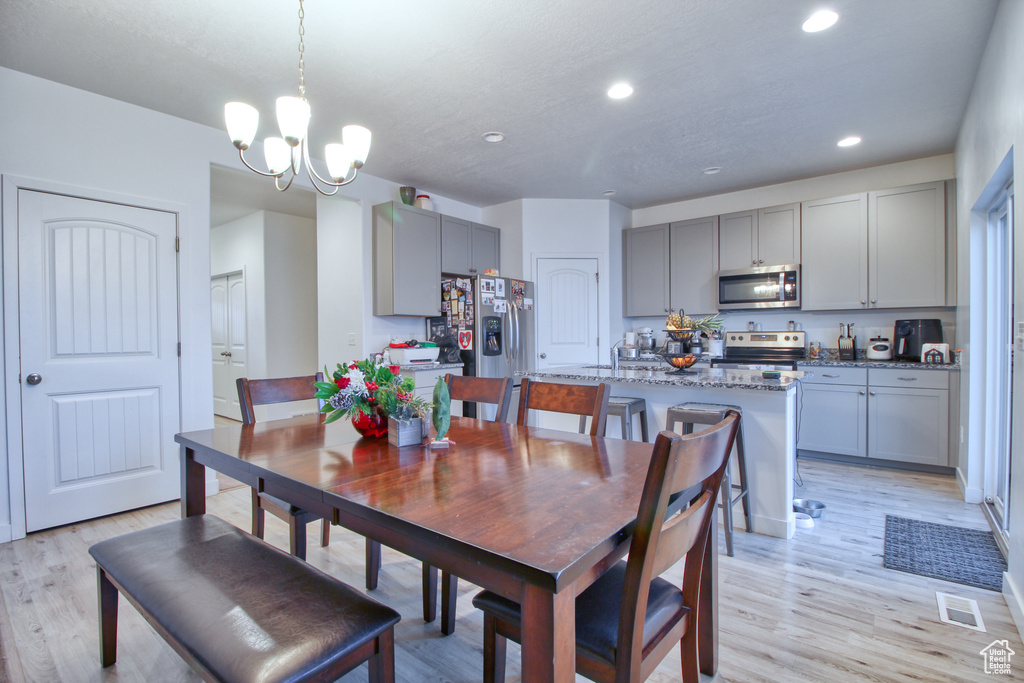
[630, 618]
[575, 399]
[255, 392]
[493, 390]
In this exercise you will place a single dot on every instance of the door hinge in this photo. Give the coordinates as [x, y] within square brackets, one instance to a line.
[597, 277]
[177, 244]
[179, 349]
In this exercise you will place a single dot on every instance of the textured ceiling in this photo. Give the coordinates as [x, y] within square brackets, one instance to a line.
[730, 83]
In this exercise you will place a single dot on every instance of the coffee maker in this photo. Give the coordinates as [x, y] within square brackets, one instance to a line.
[909, 335]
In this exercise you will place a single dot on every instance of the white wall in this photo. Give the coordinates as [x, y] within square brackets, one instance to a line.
[992, 127]
[508, 218]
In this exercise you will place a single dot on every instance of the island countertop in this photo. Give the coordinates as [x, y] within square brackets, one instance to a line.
[711, 378]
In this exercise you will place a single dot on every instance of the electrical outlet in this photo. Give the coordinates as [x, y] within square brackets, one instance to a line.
[351, 338]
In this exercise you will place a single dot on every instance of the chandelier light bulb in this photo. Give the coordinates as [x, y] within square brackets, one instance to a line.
[339, 160]
[357, 140]
[242, 121]
[293, 119]
[278, 155]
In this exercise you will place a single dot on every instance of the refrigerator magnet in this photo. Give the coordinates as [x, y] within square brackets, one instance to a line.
[499, 289]
[518, 288]
[500, 306]
[527, 304]
[486, 286]
[466, 339]
[519, 300]
[486, 298]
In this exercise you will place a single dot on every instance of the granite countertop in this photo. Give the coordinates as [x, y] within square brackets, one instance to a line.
[433, 365]
[712, 378]
[830, 359]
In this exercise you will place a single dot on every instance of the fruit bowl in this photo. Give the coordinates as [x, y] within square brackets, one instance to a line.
[680, 334]
[680, 362]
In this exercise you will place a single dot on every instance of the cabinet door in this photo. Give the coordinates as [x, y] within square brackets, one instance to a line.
[456, 250]
[907, 242]
[485, 243]
[737, 240]
[834, 419]
[417, 263]
[909, 425]
[778, 235]
[645, 271]
[693, 284]
[834, 245]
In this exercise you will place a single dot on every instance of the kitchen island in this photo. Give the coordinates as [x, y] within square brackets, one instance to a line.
[769, 422]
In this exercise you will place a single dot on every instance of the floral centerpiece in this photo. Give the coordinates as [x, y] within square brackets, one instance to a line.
[368, 392]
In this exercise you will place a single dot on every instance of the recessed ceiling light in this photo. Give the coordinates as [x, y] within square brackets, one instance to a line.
[820, 20]
[712, 170]
[493, 136]
[849, 142]
[608, 193]
[620, 90]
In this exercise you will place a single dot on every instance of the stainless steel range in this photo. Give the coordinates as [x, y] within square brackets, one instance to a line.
[762, 350]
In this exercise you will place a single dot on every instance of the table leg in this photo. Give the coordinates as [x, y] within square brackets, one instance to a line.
[549, 636]
[707, 608]
[193, 484]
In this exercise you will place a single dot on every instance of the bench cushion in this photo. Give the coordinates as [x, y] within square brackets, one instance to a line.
[244, 610]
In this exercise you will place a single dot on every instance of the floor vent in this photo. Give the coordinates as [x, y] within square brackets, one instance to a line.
[960, 611]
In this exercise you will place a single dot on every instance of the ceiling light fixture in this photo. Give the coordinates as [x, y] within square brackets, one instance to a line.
[620, 91]
[820, 20]
[493, 136]
[849, 141]
[712, 170]
[608, 193]
[292, 148]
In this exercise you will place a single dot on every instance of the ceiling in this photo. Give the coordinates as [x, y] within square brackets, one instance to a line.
[729, 83]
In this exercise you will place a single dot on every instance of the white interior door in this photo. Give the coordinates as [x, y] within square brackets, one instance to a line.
[566, 295]
[227, 298]
[99, 364]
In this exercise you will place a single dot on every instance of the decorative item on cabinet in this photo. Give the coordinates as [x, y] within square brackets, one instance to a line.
[423, 202]
[408, 194]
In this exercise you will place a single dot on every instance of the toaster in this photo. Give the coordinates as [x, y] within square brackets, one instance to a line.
[879, 348]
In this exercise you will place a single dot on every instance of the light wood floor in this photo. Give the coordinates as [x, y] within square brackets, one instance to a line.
[817, 608]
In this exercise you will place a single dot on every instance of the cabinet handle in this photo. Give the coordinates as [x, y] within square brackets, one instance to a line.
[863, 302]
[472, 270]
[861, 393]
[754, 262]
[666, 310]
[832, 376]
[907, 379]
[760, 260]
[874, 301]
[871, 393]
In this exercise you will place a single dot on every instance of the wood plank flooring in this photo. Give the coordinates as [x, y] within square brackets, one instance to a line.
[817, 608]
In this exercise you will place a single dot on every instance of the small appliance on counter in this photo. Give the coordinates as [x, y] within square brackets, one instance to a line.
[847, 342]
[879, 349]
[645, 339]
[762, 350]
[910, 335]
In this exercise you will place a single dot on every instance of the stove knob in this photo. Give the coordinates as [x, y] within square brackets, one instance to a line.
[733, 337]
[741, 337]
[787, 337]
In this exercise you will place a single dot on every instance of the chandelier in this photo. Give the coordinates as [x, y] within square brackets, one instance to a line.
[288, 152]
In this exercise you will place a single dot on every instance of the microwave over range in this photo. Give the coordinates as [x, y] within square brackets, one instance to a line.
[761, 287]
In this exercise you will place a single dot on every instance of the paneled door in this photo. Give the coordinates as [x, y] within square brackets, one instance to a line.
[99, 360]
[566, 295]
[227, 303]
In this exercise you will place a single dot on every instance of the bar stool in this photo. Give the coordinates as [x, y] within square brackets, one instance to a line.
[690, 414]
[625, 408]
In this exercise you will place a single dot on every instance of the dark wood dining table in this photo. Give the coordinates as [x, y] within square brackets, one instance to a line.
[533, 514]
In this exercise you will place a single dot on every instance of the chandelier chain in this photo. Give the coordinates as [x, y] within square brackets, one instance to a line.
[302, 53]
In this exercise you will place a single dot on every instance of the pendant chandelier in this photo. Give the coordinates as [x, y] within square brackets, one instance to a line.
[287, 153]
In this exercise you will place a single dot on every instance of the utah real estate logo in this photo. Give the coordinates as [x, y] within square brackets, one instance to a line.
[997, 657]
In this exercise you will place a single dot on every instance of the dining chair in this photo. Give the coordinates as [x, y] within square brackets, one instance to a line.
[255, 392]
[496, 391]
[630, 618]
[574, 399]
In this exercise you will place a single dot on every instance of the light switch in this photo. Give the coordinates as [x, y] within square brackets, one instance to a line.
[351, 338]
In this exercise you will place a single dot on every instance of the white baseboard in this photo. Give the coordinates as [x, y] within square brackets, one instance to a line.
[6, 533]
[974, 496]
[1013, 600]
[779, 528]
[212, 487]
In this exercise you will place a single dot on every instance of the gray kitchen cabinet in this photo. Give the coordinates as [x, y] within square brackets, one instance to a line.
[765, 237]
[468, 248]
[834, 416]
[834, 271]
[407, 260]
[693, 246]
[645, 271]
[907, 246]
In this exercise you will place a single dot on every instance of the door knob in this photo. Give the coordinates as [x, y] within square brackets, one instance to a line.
[543, 355]
[34, 379]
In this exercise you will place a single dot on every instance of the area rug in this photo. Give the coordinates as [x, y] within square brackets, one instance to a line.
[951, 553]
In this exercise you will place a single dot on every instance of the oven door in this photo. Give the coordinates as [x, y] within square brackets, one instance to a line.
[756, 288]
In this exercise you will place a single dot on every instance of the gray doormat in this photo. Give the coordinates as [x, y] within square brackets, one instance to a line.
[951, 553]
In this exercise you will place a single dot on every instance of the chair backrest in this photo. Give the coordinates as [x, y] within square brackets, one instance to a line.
[695, 463]
[257, 392]
[482, 390]
[574, 399]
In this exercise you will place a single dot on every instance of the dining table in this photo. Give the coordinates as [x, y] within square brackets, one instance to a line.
[533, 514]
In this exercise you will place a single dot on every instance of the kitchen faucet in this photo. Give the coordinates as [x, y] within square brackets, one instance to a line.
[615, 354]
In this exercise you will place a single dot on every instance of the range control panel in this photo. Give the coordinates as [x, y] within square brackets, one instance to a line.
[765, 340]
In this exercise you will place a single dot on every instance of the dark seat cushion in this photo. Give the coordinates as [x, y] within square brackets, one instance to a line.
[243, 609]
[597, 612]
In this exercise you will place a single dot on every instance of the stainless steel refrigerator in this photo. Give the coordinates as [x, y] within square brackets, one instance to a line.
[500, 314]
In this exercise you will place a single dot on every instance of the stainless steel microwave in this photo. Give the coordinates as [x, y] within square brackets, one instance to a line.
[757, 288]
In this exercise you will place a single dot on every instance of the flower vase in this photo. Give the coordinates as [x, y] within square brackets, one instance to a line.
[374, 426]
[405, 432]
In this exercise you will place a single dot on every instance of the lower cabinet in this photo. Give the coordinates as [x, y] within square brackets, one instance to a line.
[426, 379]
[881, 413]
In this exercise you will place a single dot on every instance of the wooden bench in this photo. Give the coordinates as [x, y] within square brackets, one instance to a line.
[238, 609]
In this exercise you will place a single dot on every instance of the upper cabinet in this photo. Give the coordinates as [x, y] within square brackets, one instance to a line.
[670, 266]
[407, 260]
[468, 248]
[764, 237]
[883, 249]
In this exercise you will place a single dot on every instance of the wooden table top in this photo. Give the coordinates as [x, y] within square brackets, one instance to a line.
[540, 504]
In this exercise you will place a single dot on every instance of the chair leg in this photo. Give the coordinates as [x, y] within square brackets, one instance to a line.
[627, 426]
[494, 651]
[429, 592]
[257, 514]
[726, 505]
[297, 536]
[107, 596]
[644, 433]
[689, 655]
[449, 597]
[741, 461]
[325, 533]
[372, 563]
[583, 424]
[382, 663]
